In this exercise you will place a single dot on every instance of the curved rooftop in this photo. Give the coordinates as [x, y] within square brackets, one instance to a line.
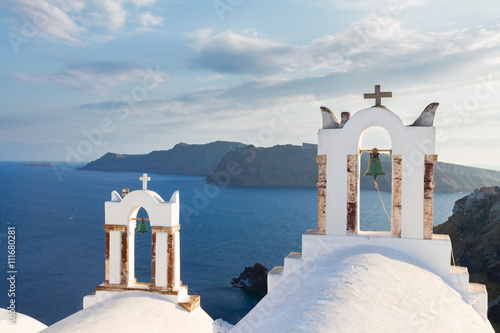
[135, 311]
[363, 289]
[23, 324]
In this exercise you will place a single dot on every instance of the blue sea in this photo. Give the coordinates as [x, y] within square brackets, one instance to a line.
[60, 237]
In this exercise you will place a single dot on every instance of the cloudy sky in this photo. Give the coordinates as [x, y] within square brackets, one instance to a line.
[84, 77]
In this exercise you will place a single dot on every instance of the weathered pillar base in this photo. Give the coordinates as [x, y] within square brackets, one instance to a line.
[397, 190]
[321, 185]
[352, 194]
[429, 185]
[170, 260]
[124, 262]
[153, 257]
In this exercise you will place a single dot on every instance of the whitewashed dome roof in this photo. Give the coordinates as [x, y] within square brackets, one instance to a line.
[135, 311]
[23, 324]
[362, 289]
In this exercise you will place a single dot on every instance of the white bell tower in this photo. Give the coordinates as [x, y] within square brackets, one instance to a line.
[120, 223]
[413, 159]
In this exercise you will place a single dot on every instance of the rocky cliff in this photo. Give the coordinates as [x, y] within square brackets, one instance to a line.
[474, 229]
[285, 166]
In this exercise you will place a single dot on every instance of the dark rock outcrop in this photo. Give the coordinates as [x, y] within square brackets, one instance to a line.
[253, 280]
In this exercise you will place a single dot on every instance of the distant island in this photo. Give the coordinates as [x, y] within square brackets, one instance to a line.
[237, 164]
[39, 164]
[183, 159]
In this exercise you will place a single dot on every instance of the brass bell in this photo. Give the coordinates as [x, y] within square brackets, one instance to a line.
[142, 228]
[374, 165]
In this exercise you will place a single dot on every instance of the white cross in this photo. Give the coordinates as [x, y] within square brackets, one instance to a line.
[145, 180]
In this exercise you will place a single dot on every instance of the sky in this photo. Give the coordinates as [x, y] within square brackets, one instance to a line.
[81, 78]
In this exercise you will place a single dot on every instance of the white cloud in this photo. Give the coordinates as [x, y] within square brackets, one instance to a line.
[373, 42]
[73, 20]
[116, 15]
[40, 18]
[92, 77]
[147, 19]
[236, 53]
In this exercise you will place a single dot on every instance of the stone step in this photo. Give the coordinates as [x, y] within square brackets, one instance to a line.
[478, 298]
[292, 262]
[459, 270]
[459, 278]
[477, 288]
[277, 270]
[294, 255]
[274, 277]
[191, 303]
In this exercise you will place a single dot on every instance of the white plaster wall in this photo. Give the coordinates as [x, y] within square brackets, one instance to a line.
[160, 213]
[100, 296]
[481, 304]
[433, 253]
[131, 251]
[161, 259]
[291, 263]
[115, 257]
[412, 142]
[273, 280]
[175, 211]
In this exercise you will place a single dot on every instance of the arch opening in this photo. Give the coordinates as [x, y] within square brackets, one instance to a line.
[372, 216]
[140, 248]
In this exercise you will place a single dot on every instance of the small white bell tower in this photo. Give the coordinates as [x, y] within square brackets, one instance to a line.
[120, 223]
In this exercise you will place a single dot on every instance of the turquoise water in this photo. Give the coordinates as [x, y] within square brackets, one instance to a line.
[60, 236]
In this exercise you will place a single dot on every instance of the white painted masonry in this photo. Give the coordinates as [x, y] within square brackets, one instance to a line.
[411, 142]
[164, 214]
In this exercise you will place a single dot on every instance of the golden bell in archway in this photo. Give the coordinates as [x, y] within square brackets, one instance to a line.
[374, 165]
[142, 228]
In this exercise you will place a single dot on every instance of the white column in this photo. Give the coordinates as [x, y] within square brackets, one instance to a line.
[115, 256]
[161, 259]
[131, 253]
[177, 263]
